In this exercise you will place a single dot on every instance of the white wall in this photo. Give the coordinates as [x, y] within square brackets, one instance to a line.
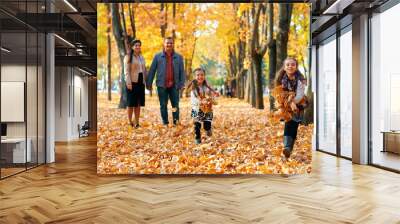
[12, 73]
[34, 125]
[71, 94]
[61, 103]
[80, 110]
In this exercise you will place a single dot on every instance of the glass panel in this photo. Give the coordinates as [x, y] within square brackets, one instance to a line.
[327, 97]
[31, 98]
[13, 85]
[385, 83]
[41, 99]
[23, 81]
[346, 94]
[14, 154]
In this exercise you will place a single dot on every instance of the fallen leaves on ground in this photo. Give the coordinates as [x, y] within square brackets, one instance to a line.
[244, 141]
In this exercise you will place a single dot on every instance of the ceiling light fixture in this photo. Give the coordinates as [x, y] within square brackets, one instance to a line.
[84, 71]
[5, 49]
[338, 6]
[64, 40]
[70, 5]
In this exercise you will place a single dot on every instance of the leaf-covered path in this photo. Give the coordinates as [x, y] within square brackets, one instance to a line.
[244, 141]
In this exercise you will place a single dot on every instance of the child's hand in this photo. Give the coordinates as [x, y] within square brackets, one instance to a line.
[293, 106]
[129, 86]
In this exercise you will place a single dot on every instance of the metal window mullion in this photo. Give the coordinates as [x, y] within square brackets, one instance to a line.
[45, 87]
[338, 94]
[317, 96]
[45, 93]
[0, 95]
[37, 91]
[369, 97]
[26, 88]
[72, 93]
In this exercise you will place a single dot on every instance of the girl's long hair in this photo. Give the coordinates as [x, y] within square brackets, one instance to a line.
[281, 72]
[194, 85]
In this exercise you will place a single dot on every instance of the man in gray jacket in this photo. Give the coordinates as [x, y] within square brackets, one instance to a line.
[170, 79]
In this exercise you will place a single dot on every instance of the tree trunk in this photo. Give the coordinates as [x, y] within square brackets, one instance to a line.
[241, 55]
[252, 45]
[132, 18]
[174, 21]
[259, 100]
[119, 39]
[252, 86]
[272, 72]
[257, 52]
[247, 93]
[105, 80]
[232, 61]
[123, 18]
[309, 111]
[109, 52]
[239, 85]
[282, 37]
[243, 84]
[189, 74]
[186, 68]
[163, 26]
[271, 56]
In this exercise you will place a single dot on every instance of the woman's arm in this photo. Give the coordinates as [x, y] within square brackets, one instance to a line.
[127, 71]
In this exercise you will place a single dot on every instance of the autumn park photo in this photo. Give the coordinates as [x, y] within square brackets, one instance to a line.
[204, 88]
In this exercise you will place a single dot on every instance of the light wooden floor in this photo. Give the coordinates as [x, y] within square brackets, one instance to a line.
[69, 191]
[387, 159]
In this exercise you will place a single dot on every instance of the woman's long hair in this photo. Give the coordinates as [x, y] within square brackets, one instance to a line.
[132, 43]
[281, 72]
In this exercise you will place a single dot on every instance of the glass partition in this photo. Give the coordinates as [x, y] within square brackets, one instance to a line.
[14, 153]
[346, 93]
[22, 88]
[385, 89]
[327, 96]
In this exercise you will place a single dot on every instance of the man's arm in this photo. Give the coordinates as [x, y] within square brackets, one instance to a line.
[151, 73]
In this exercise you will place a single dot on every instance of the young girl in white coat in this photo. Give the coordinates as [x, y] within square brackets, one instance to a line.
[201, 99]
